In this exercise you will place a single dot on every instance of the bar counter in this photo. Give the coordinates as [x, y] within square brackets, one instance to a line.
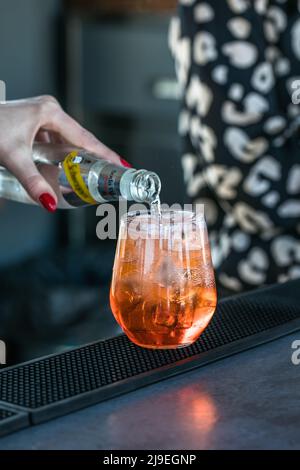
[247, 401]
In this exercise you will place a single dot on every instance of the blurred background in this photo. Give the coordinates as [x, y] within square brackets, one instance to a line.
[108, 63]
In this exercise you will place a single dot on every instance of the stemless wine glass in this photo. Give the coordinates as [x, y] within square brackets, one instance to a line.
[163, 291]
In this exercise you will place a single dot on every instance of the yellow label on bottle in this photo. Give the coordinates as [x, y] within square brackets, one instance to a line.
[74, 177]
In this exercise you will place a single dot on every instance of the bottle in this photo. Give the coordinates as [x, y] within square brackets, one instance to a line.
[80, 178]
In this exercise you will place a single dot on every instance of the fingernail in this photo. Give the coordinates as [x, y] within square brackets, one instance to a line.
[48, 202]
[125, 163]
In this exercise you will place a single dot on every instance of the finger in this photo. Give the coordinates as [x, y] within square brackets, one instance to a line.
[75, 134]
[53, 118]
[22, 167]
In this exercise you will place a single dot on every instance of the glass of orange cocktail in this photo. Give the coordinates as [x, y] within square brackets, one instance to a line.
[163, 291]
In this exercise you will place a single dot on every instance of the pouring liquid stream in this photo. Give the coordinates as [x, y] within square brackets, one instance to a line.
[155, 207]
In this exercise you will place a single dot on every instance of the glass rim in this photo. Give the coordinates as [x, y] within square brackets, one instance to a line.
[139, 213]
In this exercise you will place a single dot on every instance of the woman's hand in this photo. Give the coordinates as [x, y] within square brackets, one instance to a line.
[41, 118]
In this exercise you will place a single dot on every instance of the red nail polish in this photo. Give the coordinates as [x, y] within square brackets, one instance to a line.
[48, 202]
[125, 163]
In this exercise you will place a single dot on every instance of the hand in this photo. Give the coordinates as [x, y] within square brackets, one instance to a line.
[41, 118]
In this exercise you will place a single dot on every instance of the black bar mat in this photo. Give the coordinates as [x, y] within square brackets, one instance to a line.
[57, 384]
[12, 420]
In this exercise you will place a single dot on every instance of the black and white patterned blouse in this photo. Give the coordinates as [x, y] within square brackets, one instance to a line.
[237, 61]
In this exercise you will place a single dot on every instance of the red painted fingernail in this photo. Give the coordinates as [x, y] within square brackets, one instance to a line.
[48, 202]
[125, 163]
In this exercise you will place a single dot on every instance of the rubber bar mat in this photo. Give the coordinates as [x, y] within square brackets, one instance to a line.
[12, 420]
[57, 384]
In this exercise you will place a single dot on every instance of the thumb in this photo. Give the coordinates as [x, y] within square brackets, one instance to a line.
[24, 169]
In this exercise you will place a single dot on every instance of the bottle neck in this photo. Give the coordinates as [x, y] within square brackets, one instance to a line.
[109, 182]
[144, 186]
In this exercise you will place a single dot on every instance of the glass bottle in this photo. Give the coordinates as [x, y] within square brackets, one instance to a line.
[80, 178]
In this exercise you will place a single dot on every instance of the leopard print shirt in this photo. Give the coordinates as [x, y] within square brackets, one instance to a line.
[238, 63]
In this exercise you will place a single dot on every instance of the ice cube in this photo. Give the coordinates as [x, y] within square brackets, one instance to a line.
[167, 273]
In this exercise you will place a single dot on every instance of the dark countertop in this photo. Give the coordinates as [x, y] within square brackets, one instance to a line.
[248, 401]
